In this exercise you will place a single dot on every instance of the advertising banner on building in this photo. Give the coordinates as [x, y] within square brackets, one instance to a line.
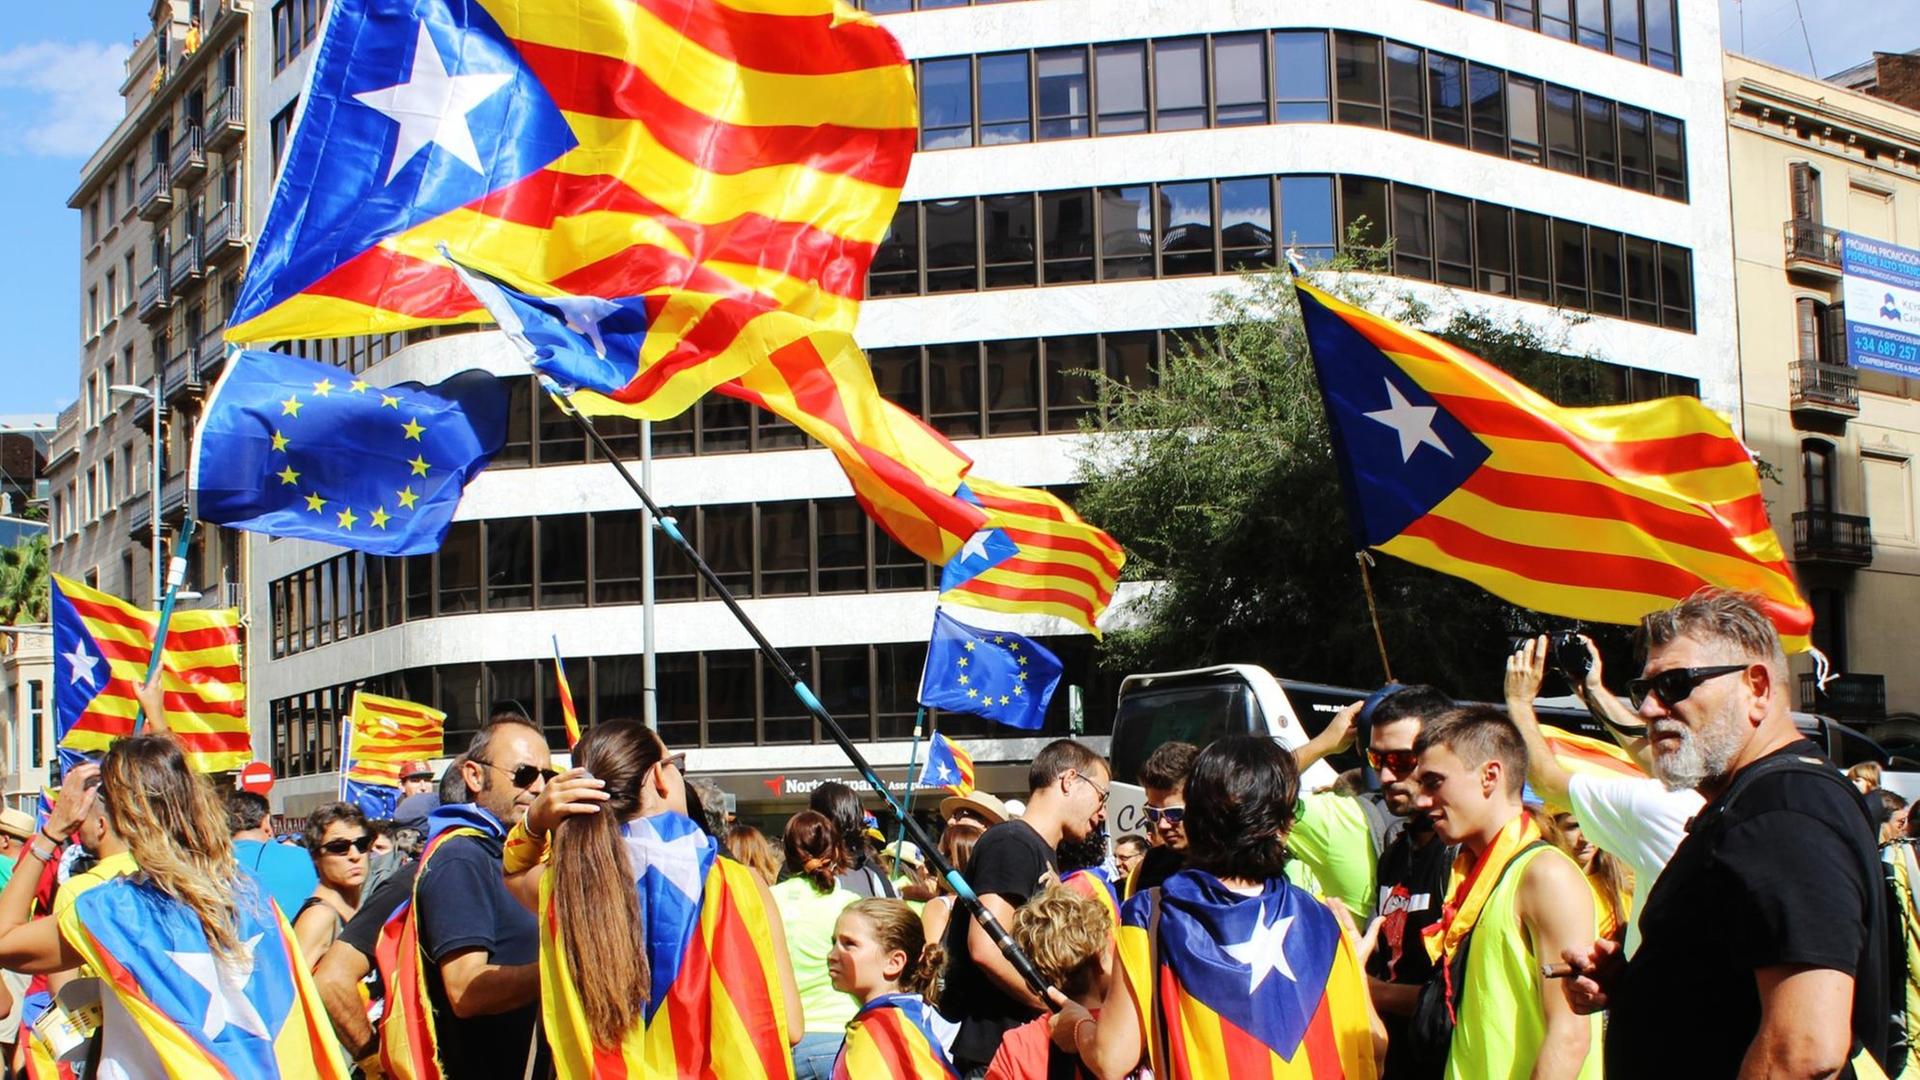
[1881, 287]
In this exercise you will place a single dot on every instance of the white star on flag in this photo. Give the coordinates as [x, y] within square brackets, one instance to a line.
[431, 107]
[677, 860]
[1413, 423]
[975, 547]
[584, 314]
[81, 662]
[1265, 950]
[226, 985]
[945, 773]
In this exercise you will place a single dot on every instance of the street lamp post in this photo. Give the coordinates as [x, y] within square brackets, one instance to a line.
[154, 490]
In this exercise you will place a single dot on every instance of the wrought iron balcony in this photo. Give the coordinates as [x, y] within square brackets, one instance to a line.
[178, 375]
[173, 495]
[209, 356]
[156, 295]
[1829, 389]
[1812, 248]
[184, 266]
[227, 119]
[136, 515]
[1852, 696]
[189, 157]
[1822, 536]
[222, 236]
[156, 192]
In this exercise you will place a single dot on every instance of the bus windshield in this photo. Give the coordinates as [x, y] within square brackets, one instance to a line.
[1197, 712]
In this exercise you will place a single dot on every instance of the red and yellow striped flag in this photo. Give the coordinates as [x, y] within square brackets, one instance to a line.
[734, 164]
[1602, 513]
[389, 734]
[1060, 566]
[892, 1038]
[1591, 757]
[102, 645]
[568, 712]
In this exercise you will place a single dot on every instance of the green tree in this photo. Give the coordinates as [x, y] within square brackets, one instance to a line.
[1220, 481]
[25, 582]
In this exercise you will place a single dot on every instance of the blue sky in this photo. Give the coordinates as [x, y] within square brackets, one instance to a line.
[60, 71]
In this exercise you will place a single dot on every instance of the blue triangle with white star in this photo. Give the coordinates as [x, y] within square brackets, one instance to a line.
[982, 552]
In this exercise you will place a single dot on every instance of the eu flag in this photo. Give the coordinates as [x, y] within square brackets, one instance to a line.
[294, 447]
[1002, 676]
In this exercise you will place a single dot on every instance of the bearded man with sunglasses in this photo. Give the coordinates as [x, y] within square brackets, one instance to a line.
[1762, 948]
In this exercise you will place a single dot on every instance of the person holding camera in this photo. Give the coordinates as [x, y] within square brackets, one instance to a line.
[1638, 821]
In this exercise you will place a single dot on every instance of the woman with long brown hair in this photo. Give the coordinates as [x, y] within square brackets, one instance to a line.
[166, 900]
[956, 846]
[606, 841]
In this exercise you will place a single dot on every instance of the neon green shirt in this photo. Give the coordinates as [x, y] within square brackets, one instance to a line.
[1332, 837]
[808, 916]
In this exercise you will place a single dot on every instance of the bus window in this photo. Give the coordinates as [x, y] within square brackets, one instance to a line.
[1194, 713]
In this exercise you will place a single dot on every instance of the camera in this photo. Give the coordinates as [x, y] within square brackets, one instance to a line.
[1566, 652]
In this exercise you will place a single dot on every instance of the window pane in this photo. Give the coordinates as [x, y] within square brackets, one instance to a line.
[1485, 92]
[1570, 264]
[1603, 261]
[1005, 108]
[1636, 151]
[952, 247]
[1186, 229]
[673, 574]
[726, 541]
[1239, 80]
[1406, 92]
[676, 698]
[1246, 224]
[1306, 216]
[725, 425]
[419, 570]
[1120, 87]
[1126, 232]
[1563, 130]
[783, 719]
[459, 569]
[730, 697]
[1669, 160]
[896, 684]
[1492, 227]
[1062, 75]
[1013, 387]
[842, 531]
[616, 557]
[1556, 19]
[784, 535]
[946, 103]
[897, 373]
[1593, 23]
[1643, 286]
[953, 389]
[461, 699]
[1532, 256]
[1129, 359]
[1676, 287]
[1363, 207]
[1412, 232]
[1523, 120]
[1066, 218]
[563, 561]
[561, 440]
[1601, 164]
[518, 447]
[1180, 84]
[1008, 225]
[1300, 76]
[1519, 12]
[510, 683]
[1070, 391]
[1626, 28]
[895, 567]
[1446, 83]
[509, 563]
[1662, 50]
[1453, 240]
[896, 263]
[845, 688]
[1356, 65]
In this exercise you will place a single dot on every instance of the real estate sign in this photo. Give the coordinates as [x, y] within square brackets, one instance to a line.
[1880, 283]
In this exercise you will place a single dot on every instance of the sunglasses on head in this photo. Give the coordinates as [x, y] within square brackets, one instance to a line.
[1400, 761]
[1172, 815]
[523, 776]
[678, 761]
[343, 845]
[1673, 685]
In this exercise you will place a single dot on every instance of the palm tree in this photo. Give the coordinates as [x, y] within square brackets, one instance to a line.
[24, 582]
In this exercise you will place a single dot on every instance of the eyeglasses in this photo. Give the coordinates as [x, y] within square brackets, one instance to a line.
[1673, 685]
[343, 845]
[522, 776]
[678, 761]
[1172, 815]
[1096, 787]
[1402, 762]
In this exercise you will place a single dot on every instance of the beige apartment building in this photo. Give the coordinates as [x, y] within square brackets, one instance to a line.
[163, 233]
[1810, 160]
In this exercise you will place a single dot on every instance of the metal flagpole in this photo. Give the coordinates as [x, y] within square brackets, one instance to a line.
[649, 698]
[963, 891]
[913, 758]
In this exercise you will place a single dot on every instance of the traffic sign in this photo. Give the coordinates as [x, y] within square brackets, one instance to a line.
[256, 777]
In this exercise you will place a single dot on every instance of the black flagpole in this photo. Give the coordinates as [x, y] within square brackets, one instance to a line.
[1003, 940]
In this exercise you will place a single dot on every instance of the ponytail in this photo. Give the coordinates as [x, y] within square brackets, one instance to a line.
[814, 851]
[897, 929]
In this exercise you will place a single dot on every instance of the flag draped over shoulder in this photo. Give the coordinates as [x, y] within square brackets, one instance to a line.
[255, 1016]
[947, 766]
[1035, 555]
[716, 1008]
[892, 1038]
[728, 168]
[101, 647]
[1601, 513]
[1246, 986]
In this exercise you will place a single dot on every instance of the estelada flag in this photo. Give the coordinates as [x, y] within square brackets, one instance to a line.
[715, 1008]
[101, 647]
[1603, 513]
[1246, 986]
[948, 766]
[1034, 556]
[892, 1038]
[394, 730]
[254, 1015]
[727, 169]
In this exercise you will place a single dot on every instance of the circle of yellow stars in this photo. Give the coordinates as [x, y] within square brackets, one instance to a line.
[345, 518]
[1019, 689]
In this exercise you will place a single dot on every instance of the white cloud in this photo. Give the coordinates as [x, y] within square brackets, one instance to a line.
[60, 99]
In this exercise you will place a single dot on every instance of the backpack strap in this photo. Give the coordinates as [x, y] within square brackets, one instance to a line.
[1768, 766]
[1454, 993]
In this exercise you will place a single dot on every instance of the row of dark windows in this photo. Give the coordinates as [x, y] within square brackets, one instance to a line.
[1643, 31]
[1221, 80]
[729, 698]
[1220, 226]
[295, 25]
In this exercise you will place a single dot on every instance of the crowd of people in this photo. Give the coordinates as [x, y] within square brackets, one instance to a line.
[1468, 904]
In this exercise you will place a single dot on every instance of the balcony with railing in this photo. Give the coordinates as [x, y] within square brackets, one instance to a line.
[156, 295]
[1822, 536]
[136, 514]
[189, 157]
[156, 192]
[173, 495]
[209, 355]
[184, 267]
[1812, 248]
[227, 119]
[1824, 389]
[222, 236]
[180, 372]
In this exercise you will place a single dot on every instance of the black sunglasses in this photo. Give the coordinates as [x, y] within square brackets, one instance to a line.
[1674, 684]
[343, 845]
[523, 776]
[1172, 815]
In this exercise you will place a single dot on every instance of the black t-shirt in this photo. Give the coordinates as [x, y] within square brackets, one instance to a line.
[1156, 866]
[1784, 873]
[1011, 861]
[1413, 888]
[464, 904]
[363, 930]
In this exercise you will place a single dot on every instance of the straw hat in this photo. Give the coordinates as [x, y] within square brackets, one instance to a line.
[983, 803]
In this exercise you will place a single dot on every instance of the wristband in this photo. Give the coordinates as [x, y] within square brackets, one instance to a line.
[522, 850]
[51, 839]
[46, 856]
